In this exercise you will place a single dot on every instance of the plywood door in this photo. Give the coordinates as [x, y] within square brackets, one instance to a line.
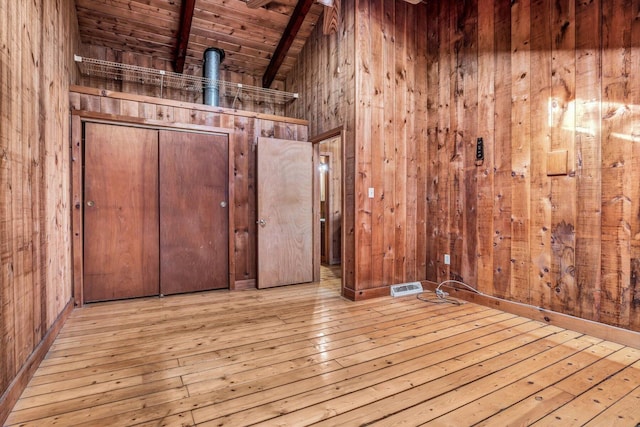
[120, 212]
[194, 213]
[285, 214]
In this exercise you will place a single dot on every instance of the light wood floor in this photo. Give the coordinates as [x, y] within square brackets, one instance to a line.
[301, 355]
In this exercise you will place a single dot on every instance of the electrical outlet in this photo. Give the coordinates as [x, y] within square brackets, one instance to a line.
[447, 259]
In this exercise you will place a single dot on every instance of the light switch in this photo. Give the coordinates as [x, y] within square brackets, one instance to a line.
[371, 193]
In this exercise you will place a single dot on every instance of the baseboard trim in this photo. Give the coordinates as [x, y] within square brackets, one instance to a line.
[362, 294]
[10, 397]
[565, 321]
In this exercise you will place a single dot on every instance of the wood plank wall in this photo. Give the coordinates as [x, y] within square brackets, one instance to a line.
[324, 76]
[149, 61]
[245, 127]
[538, 80]
[37, 41]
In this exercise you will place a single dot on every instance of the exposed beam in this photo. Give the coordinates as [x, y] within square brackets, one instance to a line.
[186, 17]
[295, 22]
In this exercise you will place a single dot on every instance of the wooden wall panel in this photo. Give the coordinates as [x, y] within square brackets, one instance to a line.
[634, 84]
[532, 77]
[617, 176]
[541, 201]
[430, 165]
[445, 142]
[486, 123]
[588, 158]
[520, 149]
[36, 54]
[500, 149]
[244, 127]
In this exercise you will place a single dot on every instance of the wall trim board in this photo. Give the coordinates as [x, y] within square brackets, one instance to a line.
[19, 383]
[116, 119]
[363, 294]
[79, 117]
[167, 102]
[327, 135]
[565, 321]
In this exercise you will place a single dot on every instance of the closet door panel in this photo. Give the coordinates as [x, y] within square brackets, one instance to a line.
[120, 212]
[194, 213]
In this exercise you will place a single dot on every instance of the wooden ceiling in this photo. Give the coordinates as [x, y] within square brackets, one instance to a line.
[249, 35]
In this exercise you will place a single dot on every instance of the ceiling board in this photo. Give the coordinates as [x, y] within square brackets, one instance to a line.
[150, 27]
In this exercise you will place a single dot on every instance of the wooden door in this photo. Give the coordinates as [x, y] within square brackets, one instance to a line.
[120, 212]
[285, 214]
[194, 212]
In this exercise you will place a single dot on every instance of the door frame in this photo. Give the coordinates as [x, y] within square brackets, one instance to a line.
[316, 140]
[78, 119]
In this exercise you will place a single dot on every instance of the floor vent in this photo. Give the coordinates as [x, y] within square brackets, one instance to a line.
[406, 289]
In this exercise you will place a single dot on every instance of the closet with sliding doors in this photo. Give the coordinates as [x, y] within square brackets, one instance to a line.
[156, 217]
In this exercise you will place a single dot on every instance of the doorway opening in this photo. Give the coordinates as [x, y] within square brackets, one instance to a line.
[329, 196]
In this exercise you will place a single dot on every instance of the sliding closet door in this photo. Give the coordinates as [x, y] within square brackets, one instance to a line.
[120, 212]
[194, 213]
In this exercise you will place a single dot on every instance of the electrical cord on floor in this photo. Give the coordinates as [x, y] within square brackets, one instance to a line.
[442, 297]
[438, 300]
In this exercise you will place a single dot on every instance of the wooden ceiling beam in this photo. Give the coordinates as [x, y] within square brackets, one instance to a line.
[289, 35]
[186, 17]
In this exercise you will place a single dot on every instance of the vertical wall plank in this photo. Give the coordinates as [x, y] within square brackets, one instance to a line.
[469, 134]
[430, 161]
[486, 130]
[415, 195]
[616, 167]
[541, 99]
[403, 185]
[387, 147]
[364, 125]
[563, 187]
[348, 108]
[456, 145]
[502, 153]
[244, 250]
[588, 157]
[444, 142]
[634, 291]
[520, 153]
[8, 10]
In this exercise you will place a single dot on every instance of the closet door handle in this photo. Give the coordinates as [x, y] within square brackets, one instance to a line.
[91, 203]
[262, 222]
